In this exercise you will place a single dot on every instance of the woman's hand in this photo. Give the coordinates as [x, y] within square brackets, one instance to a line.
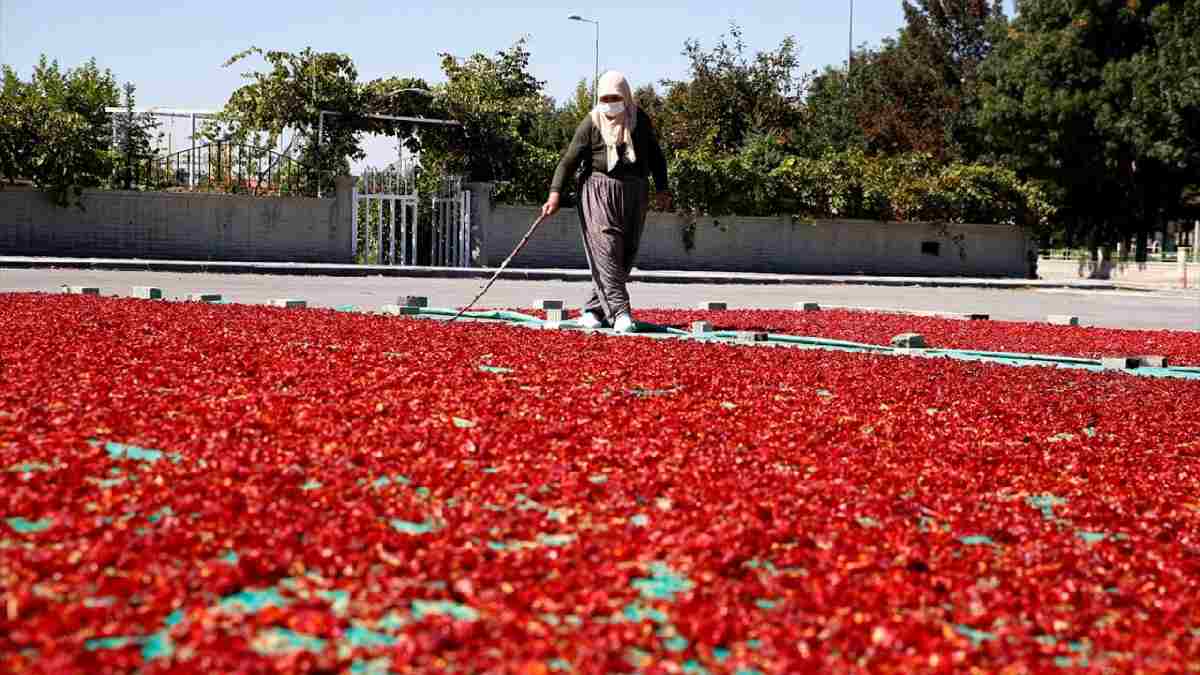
[551, 206]
[662, 201]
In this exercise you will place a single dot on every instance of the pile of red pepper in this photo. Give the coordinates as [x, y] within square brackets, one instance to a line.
[226, 488]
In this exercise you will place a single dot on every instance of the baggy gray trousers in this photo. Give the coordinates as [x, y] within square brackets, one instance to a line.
[612, 215]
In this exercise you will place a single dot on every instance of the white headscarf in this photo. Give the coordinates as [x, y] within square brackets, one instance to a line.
[616, 131]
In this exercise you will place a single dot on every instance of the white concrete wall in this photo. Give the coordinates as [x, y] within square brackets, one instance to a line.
[179, 225]
[190, 226]
[1150, 273]
[774, 245]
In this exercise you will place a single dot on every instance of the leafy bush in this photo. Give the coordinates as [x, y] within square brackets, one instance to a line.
[911, 187]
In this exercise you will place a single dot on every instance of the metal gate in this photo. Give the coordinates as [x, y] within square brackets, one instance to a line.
[451, 241]
[384, 217]
[386, 229]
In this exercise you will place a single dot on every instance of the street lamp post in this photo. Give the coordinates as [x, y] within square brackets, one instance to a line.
[850, 50]
[596, 80]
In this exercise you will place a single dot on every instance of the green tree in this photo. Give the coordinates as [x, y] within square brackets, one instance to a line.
[16, 125]
[731, 96]
[649, 100]
[890, 102]
[957, 35]
[901, 102]
[56, 130]
[1160, 118]
[291, 94]
[953, 38]
[395, 96]
[829, 117]
[500, 107]
[915, 93]
[135, 136]
[1061, 103]
[567, 116]
[581, 103]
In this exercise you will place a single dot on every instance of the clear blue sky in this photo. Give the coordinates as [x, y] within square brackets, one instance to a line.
[173, 50]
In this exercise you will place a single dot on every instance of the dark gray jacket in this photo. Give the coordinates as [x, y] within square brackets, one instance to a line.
[587, 149]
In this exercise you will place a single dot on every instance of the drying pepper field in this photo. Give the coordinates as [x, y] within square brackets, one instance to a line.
[226, 488]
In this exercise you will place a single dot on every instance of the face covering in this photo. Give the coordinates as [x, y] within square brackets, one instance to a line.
[615, 108]
[616, 121]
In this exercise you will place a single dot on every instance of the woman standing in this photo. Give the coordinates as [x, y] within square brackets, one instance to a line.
[618, 150]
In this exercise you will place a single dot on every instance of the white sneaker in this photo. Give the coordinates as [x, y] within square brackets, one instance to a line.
[590, 320]
[625, 323]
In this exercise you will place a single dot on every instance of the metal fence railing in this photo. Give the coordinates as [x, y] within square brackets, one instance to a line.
[231, 168]
[1125, 256]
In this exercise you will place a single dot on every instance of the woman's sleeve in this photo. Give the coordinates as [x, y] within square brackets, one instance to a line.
[573, 155]
[658, 161]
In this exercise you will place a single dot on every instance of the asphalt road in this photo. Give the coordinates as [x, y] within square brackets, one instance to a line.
[1177, 310]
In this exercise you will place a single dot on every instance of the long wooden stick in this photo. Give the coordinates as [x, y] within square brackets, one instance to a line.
[503, 265]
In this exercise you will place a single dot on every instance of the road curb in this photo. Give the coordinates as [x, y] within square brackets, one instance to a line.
[568, 275]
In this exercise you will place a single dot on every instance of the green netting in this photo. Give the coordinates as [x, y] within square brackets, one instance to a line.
[408, 527]
[663, 583]
[25, 526]
[494, 315]
[803, 341]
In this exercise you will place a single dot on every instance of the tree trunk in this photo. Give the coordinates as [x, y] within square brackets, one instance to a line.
[1149, 220]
